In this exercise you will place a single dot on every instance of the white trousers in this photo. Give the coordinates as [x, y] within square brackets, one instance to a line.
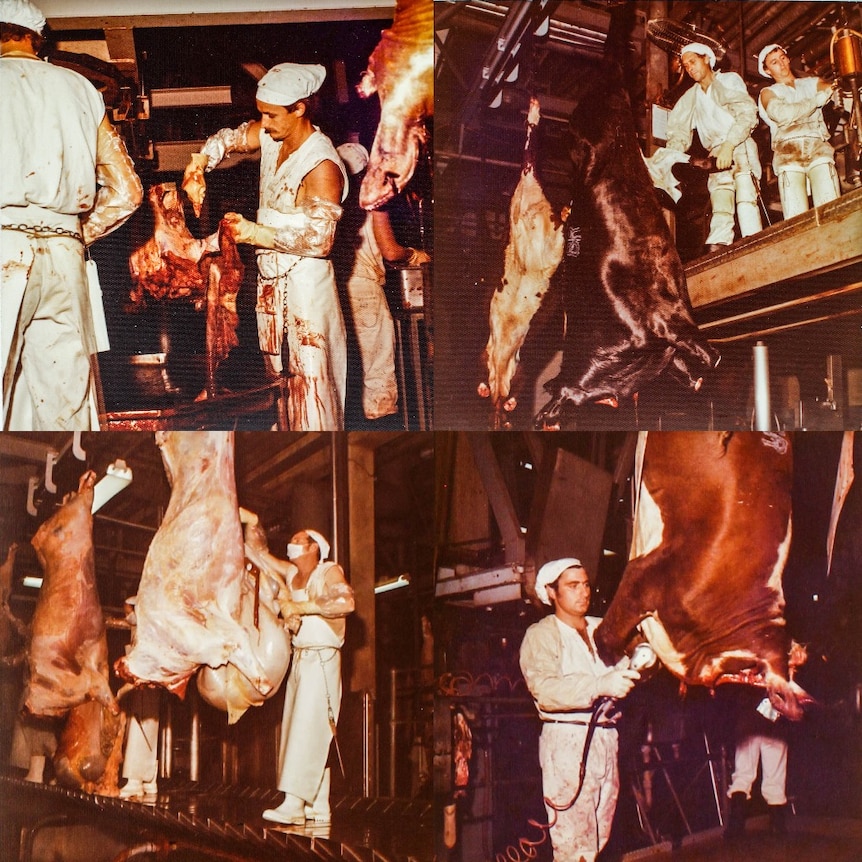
[305, 730]
[793, 185]
[375, 333]
[771, 753]
[46, 325]
[735, 186]
[140, 756]
[582, 830]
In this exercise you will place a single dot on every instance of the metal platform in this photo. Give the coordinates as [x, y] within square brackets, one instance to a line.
[219, 822]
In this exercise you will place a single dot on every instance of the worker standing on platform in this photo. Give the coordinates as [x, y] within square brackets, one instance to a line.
[802, 155]
[315, 610]
[719, 107]
[302, 185]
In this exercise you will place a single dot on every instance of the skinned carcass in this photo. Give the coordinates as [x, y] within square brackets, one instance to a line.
[263, 585]
[533, 254]
[173, 265]
[166, 265]
[703, 582]
[401, 72]
[627, 308]
[194, 596]
[68, 650]
[68, 653]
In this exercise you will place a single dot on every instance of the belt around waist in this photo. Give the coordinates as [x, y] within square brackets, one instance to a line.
[579, 722]
[38, 217]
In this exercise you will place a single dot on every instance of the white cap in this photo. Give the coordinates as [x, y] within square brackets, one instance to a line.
[354, 156]
[699, 48]
[550, 572]
[321, 543]
[23, 13]
[764, 53]
[287, 83]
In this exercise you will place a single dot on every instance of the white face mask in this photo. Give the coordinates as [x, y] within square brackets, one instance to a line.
[294, 551]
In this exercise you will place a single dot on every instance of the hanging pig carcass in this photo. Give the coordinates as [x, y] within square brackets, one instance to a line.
[197, 605]
[703, 582]
[401, 72]
[68, 650]
[533, 254]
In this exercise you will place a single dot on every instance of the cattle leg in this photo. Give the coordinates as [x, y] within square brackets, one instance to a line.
[618, 630]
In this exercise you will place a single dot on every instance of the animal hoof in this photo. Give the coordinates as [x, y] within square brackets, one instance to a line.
[484, 390]
[510, 404]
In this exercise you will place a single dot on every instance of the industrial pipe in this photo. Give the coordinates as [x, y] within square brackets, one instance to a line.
[762, 408]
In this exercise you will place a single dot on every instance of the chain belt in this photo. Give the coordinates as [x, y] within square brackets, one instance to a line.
[43, 231]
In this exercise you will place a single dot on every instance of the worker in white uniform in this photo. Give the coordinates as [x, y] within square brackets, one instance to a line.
[141, 751]
[719, 107]
[760, 742]
[66, 180]
[371, 244]
[802, 157]
[302, 185]
[319, 600]
[569, 683]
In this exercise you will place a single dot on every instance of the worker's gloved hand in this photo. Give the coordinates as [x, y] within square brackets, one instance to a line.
[243, 230]
[724, 156]
[194, 184]
[616, 683]
[417, 257]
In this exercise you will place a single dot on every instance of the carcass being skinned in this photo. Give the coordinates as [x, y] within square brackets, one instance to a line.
[703, 584]
[193, 597]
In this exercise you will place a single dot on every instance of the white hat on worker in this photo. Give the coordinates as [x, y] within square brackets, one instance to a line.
[354, 156]
[699, 48]
[23, 14]
[287, 83]
[764, 53]
[321, 543]
[550, 572]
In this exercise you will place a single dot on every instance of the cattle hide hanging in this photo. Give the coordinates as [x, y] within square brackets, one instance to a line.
[628, 312]
[704, 583]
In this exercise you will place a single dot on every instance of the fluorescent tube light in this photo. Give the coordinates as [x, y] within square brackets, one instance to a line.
[392, 584]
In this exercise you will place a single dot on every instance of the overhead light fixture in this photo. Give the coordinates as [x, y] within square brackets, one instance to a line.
[117, 476]
[33, 581]
[392, 584]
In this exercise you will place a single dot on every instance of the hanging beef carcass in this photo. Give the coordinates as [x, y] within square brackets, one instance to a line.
[263, 586]
[703, 582]
[627, 307]
[68, 649]
[68, 653]
[173, 265]
[401, 72]
[532, 256]
[194, 595]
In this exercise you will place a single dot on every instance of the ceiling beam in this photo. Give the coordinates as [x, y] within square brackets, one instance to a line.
[102, 14]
